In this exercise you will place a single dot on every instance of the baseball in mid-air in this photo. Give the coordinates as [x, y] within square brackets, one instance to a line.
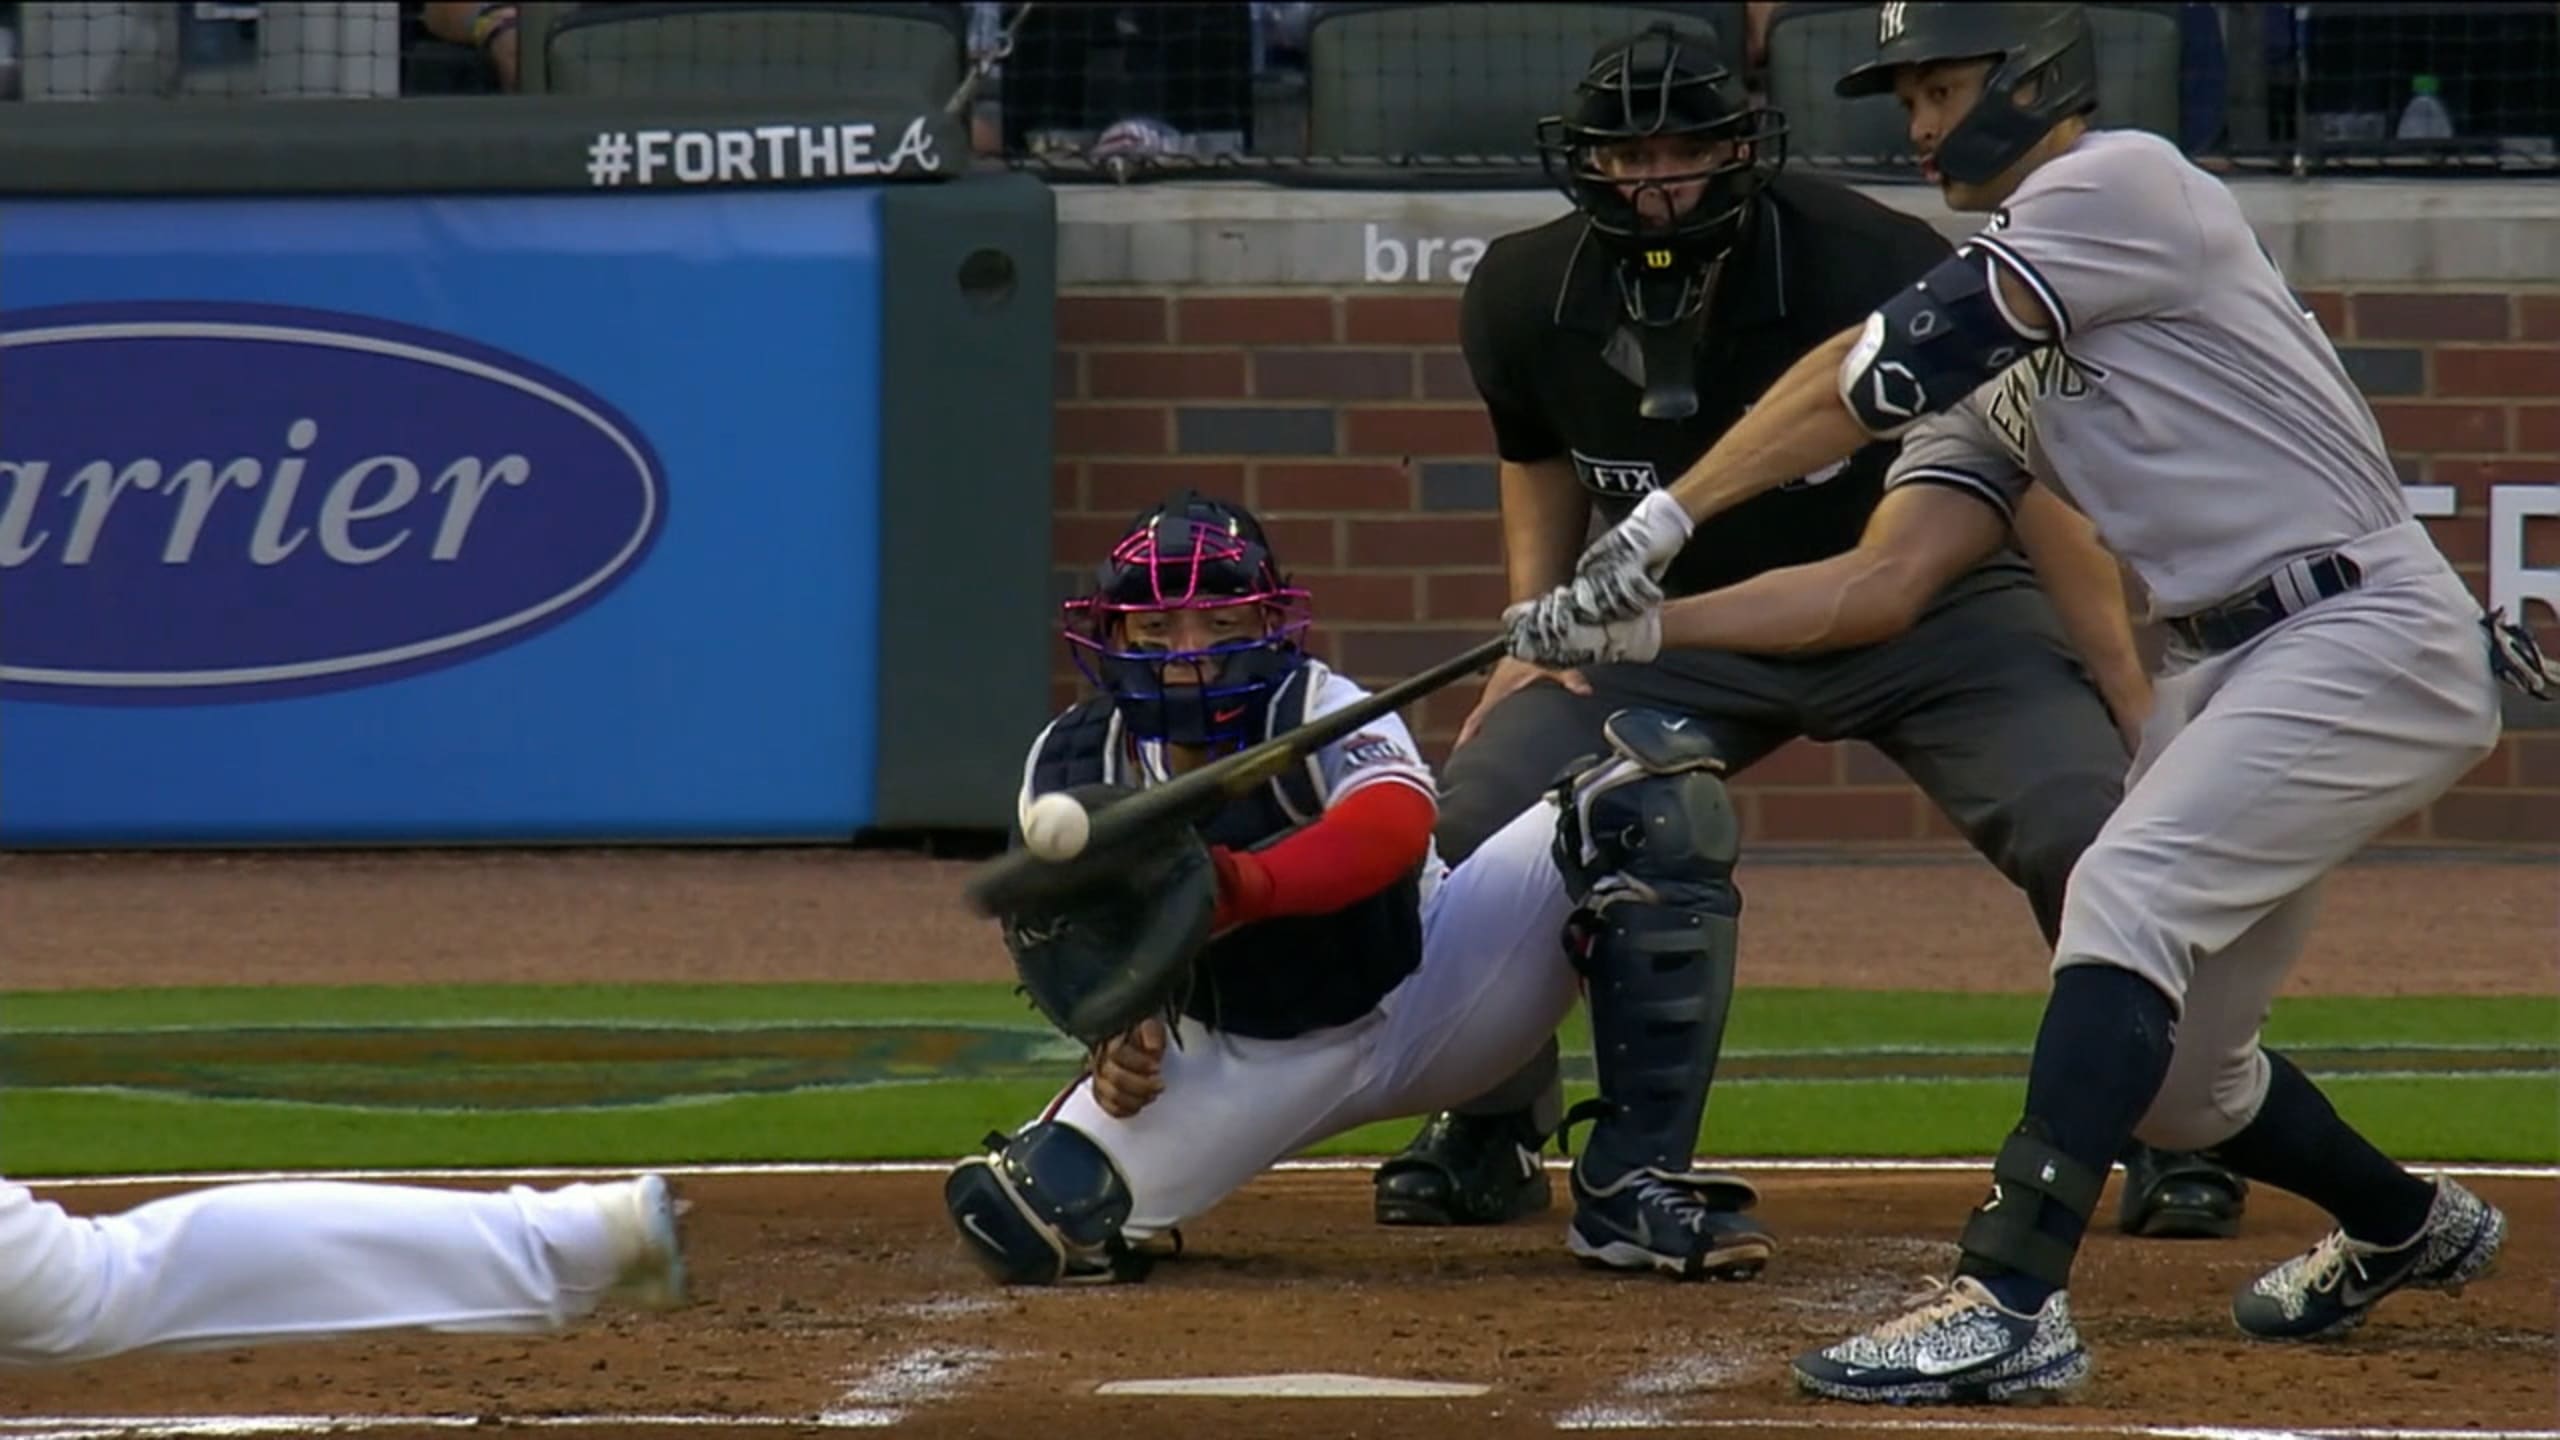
[1056, 827]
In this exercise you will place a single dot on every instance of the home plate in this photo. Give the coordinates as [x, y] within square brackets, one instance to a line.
[1295, 1387]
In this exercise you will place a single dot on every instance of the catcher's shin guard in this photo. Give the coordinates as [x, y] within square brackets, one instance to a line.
[1660, 983]
[1647, 843]
[1044, 1207]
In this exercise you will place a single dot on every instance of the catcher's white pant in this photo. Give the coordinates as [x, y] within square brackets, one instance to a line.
[295, 1260]
[1492, 986]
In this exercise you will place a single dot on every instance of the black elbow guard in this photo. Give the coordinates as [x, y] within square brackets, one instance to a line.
[1930, 346]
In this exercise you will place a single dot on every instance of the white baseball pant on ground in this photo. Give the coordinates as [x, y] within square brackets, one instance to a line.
[298, 1260]
[2261, 769]
[1492, 985]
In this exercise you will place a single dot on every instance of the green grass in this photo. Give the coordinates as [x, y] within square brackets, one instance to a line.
[1765, 1019]
[2491, 1118]
[2495, 1117]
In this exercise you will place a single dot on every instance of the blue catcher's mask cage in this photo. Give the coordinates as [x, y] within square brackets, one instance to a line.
[1191, 554]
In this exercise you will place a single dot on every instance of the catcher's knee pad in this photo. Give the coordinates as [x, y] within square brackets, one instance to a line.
[1647, 841]
[1044, 1207]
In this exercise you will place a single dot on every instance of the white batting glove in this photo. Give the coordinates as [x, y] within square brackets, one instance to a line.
[1616, 578]
[1550, 631]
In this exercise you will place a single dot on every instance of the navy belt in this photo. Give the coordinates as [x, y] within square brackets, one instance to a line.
[2295, 588]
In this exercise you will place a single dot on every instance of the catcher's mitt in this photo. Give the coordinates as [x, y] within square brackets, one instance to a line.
[1117, 943]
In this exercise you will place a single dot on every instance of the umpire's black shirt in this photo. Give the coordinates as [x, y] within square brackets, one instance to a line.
[1542, 325]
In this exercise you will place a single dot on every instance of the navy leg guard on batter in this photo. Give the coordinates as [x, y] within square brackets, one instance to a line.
[1044, 1207]
[2011, 1231]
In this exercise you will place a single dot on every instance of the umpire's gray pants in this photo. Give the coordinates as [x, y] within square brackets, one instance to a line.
[1983, 703]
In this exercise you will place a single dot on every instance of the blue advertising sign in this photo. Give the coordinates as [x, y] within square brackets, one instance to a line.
[398, 520]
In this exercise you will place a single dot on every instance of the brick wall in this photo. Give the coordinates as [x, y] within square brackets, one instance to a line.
[1346, 420]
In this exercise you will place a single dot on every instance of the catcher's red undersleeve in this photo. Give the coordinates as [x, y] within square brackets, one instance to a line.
[1357, 848]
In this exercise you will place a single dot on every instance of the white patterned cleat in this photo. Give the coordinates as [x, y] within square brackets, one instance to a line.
[641, 1217]
[2329, 1290]
[1956, 1346]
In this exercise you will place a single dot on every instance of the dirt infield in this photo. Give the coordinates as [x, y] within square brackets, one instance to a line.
[841, 1302]
[1933, 922]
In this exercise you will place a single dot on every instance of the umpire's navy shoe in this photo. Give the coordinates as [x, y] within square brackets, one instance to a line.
[2178, 1195]
[2328, 1290]
[1465, 1170]
[1955, 1346]
[1688, 1225]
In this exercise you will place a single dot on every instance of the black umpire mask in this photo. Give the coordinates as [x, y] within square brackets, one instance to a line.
[1664, 155]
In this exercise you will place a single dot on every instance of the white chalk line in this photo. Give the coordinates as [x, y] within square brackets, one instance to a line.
[1340, 1165]
[1641, 1401]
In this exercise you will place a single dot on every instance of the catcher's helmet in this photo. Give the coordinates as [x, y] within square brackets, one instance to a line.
[1662, 82]
[2047, 44]
[1190, 553]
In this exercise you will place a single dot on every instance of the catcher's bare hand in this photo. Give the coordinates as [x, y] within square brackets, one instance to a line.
[1128, 1071]
[1511, 675]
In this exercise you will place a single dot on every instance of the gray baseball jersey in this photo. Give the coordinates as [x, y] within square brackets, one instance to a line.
[2190, 406]
[2203, 422]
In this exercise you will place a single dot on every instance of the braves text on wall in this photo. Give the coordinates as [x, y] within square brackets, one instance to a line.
[757, 154]
[1423, 260]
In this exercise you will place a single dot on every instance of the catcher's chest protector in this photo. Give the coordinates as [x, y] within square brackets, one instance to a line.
[1282, 977]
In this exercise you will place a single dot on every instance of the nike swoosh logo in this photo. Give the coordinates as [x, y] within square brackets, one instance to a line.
[970, 1224]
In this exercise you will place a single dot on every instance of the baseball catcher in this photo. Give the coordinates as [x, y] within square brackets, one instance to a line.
[1303, 963]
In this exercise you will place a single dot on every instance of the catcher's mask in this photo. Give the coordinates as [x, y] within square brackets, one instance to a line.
[1662, 152]
[1191, 553]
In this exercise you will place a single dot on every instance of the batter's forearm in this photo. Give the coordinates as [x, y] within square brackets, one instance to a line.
[1798, 427]
[1544, 514]
[2086, 585]
[1850, 599]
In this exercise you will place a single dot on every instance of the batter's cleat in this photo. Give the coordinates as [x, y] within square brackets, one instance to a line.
[1690, 1225]
[1465, 1170]
[641, 1217]
[2173, 1195]
[1956, 1346]
[2327, 1291]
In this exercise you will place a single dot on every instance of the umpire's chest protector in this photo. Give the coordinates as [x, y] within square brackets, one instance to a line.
[1281, 977]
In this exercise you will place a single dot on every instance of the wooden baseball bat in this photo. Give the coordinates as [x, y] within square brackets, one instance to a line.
[1018, 878]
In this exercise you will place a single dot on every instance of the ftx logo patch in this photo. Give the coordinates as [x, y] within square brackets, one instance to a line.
[1616, 477]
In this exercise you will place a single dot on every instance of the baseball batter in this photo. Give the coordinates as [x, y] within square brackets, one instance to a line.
[263, 1263]
[1350, 976]
[1613, 346]
[2117, 333]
